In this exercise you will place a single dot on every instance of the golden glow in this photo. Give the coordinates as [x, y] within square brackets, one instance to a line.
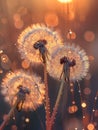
[31, 35]
[27, 120]
[10, 89]
[83, 105]
[72, 51]
[1, 51]
[72, 109]
[91, 126]
[65, 1]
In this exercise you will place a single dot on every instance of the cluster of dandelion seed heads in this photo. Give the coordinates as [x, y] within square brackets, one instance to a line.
[9, 88]
[71, 51]
[31, 35]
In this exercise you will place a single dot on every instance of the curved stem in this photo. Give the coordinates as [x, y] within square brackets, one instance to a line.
[4, 123]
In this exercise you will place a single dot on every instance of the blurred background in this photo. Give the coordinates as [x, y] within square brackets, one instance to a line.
[79, 17]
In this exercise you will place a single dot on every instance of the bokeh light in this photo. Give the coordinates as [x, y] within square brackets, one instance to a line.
[5, 62]
[87, 91]
[51, 19]
[83, 105]
[25, 64]
[91, 126]
[11, 15]
[65, 1]
[71, 35]
[27, 120]
[71, 51]
[6, 66]
[1, 51]
[31, 81]
[4, 58]
[89, 36]
[72, 109]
